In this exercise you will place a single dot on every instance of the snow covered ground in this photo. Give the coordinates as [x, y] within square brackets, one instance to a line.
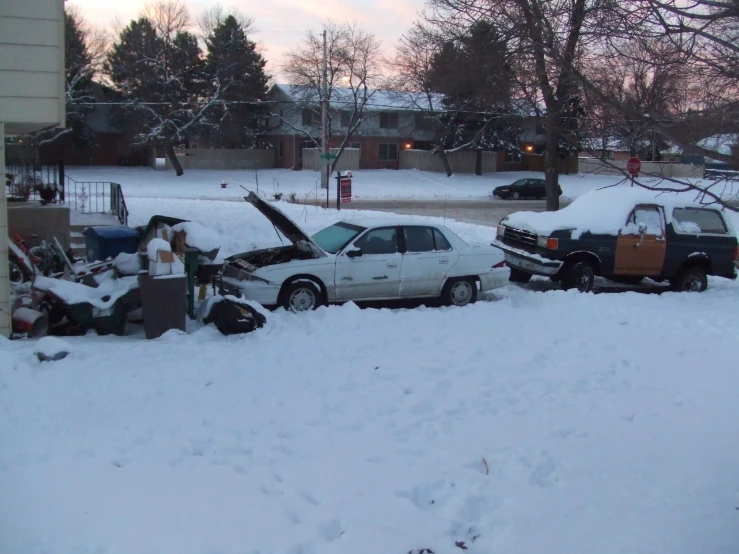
[533, 421]
[141, 182]
[366, 185]
[377, 430]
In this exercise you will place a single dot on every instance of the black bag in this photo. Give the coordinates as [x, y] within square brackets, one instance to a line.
[232, 318]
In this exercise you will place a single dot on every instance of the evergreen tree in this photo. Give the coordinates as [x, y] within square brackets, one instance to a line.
[233, 63]
[163, 79]
[475, 77]
[79, 70]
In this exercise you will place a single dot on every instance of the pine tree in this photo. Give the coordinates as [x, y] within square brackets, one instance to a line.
[233, 63]
[475, 77]
[163, 79]
[79, 70]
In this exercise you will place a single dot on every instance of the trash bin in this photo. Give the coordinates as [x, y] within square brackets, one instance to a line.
[163, 302]
[107, 241]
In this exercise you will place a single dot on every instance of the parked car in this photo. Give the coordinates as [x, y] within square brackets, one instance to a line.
[356, 260]
[623, 234]
[523, 188]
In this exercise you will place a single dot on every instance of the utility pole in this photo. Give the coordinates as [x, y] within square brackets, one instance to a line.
[324, 119]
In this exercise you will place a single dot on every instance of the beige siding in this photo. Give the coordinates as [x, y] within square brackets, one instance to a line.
[349, 160]
[31, 64]
[462, 161]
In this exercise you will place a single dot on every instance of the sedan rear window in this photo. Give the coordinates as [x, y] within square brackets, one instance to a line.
[334, 238]
[697, 220]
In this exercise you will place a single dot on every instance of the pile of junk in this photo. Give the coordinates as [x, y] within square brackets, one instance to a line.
[144, 275]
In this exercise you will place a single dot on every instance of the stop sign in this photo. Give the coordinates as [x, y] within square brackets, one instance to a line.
[633, 166]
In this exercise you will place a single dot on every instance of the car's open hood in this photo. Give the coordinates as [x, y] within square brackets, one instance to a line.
[283, 223]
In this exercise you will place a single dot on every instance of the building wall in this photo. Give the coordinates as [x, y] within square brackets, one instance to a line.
[31, 64]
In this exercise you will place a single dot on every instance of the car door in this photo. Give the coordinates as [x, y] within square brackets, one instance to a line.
[637, 253]
[369, 268]
[427, 257]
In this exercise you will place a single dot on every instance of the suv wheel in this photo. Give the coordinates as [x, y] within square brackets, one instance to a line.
[580, 276]
[301, 296]
[690, 279]
[518, 276]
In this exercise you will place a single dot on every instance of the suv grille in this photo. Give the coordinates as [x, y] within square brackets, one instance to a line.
[519, 239]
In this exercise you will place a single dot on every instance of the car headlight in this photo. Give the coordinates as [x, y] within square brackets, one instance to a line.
[500, 231]
[547, 242]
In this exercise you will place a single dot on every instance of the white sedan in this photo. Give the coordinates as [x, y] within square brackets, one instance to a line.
[356, 261]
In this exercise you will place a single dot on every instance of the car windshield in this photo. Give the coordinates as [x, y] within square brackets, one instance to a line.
[334, 238]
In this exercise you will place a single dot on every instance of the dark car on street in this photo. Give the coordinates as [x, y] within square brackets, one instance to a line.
[523, 188]
[624, 235]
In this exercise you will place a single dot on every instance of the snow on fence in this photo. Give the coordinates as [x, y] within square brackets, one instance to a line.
[349, 160]
[652, 169]
[224, 158]
[462, 161]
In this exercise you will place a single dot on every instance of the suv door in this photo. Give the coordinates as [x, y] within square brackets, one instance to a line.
[374, 274]
[426, 261]
[641, 254]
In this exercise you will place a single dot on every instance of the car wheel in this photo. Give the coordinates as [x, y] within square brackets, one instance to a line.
[459, 292]
[518, 276]
[690, 279]
[301, 296]
[515, 196]
[580, 276]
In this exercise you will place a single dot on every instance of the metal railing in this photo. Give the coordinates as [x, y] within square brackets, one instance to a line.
[96, 197]
[26, 179]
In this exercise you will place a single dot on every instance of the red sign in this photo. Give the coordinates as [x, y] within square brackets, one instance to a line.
[345, 185]
[634, 166]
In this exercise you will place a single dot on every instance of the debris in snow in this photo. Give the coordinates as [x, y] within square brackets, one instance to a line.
[200, 237]
[51, 349]
[161, 259]
[461, 545]
[103, 296]
[128, 264]
[30, 322]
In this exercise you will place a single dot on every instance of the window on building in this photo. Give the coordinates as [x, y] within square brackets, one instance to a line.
[279, 149]
[346, 119]
[388, 120]
[424, 122]
[354, 145]
[388, 152]
[308, 116]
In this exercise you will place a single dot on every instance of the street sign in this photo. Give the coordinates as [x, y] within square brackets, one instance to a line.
[345, 185]
[328, 156]
[633, 166]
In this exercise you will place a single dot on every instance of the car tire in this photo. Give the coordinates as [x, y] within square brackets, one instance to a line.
[579, 276]
[459, 292]
[691, 279]
[515, 196]
[518, 276]
[301, 296]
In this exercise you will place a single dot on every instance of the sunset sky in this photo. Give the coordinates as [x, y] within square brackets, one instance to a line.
[281, 24]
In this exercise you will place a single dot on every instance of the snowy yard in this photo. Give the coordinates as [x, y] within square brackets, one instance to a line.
[531, 422]
[366, 185]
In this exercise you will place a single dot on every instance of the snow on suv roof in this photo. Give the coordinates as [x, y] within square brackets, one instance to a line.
[601, 211]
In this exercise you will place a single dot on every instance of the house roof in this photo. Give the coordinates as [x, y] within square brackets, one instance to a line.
[379, 99]
[721, 144]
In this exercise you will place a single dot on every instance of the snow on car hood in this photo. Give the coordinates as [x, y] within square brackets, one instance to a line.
[602, 211]
[283, 223]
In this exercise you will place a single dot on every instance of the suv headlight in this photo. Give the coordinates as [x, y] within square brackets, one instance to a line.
[500, 231]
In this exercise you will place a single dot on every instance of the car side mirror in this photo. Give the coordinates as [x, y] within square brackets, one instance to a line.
[354, 252]
[642, 228]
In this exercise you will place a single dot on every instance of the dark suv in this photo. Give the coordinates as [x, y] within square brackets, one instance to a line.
[623, 237]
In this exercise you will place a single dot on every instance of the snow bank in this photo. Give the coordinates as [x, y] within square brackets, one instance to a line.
[103, 296]
[600, 211]
[198, 236]
[51, 346]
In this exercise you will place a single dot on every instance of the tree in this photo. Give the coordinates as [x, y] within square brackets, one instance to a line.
[545, 38]
[81, 48]
[353, 68]
[232, 61]
[159, 67]
[474, 74]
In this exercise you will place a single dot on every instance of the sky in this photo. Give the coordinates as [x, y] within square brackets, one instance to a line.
[281, 24]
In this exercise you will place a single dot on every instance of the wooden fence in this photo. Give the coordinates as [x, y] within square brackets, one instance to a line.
[462, 161]
[349, 160]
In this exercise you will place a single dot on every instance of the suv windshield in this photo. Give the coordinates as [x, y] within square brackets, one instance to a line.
[334, 238]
